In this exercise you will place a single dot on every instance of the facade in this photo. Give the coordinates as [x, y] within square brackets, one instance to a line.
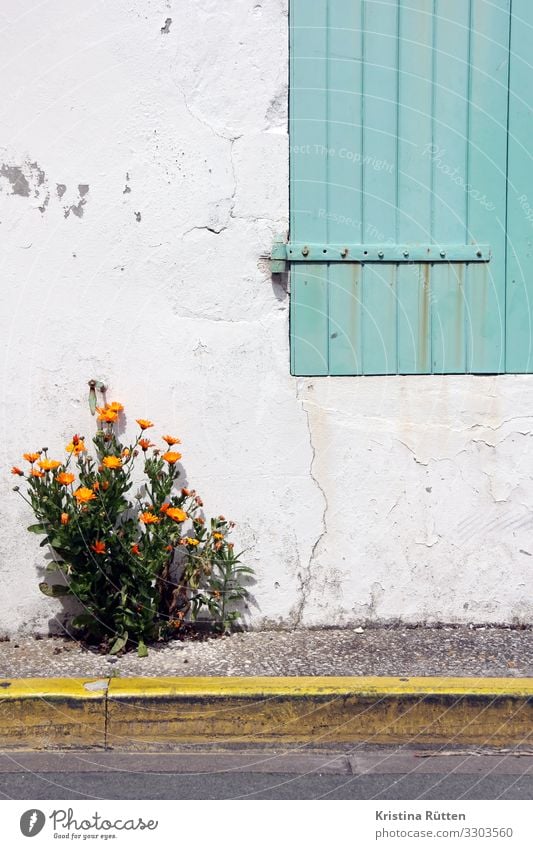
[144, 177]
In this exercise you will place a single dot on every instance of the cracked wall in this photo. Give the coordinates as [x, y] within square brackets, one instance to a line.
[143, 176]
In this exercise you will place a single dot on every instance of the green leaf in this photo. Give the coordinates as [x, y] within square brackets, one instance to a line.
[55, 566]
[119, 643]
[54, 590]
[142, 651]
[39, 528]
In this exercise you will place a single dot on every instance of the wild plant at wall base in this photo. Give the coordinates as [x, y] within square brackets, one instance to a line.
[142, 566]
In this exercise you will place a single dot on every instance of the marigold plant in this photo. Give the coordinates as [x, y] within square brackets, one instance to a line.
[142, 567]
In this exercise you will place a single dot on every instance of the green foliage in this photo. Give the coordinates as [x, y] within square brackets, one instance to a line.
[143, 567]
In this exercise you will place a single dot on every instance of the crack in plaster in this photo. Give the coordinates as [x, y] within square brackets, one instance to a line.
[305, 576]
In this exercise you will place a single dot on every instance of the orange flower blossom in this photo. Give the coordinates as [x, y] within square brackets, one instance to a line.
[98, 547]
[16, 471]
[171, 457]
[49, 465]
[35, 473]
[176, 514]
[84, 494]
[144, 423]
[112, 462]
[171, 440]
[32, 456]
[149, 518]
[65, 518]
[135, 549]
[106, 415]
[77, 446]
[145, 444]
[64, 478]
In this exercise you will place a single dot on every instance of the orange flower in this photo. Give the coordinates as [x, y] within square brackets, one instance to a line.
[185, 491]
[115, 407]
[49, 465]
[106, 415]
[168, 548]
[176, 514]
[126, 452]
[149, 518]
[145, 444]
[112, 462]
[144, 423]
[77, 446]
[171, 440]
[218, 536]
[135, 549]
[96, 486]
[191, 541]
[16, 471]
[64, 478]
[105, 485]
[84, 495]
[32, 457]
[171, 457]
[164, 507]
[37, 474]
[65, 518]
[98, 547]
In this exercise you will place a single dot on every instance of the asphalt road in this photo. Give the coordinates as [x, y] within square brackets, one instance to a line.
[266, 774]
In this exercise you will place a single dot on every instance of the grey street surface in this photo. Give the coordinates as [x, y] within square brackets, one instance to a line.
[269, 774]
[396, 651]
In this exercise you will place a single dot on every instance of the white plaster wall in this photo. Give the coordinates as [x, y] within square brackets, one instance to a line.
[143, 175]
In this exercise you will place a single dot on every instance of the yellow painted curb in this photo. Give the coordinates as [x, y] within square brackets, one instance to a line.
[163, 712]
[46, 713]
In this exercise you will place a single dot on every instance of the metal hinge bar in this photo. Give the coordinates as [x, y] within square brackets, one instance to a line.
[300, 252]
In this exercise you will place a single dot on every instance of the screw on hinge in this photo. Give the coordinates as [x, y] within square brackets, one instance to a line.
[443, 254]
[479, 254]
[93, 386]
[305, 251]
[344, 252]
[381, 254]
[406, 254]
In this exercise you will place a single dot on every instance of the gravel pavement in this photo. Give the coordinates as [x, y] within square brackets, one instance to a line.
[397, 651]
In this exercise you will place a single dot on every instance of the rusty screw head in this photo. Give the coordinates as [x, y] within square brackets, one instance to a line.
[344, 252]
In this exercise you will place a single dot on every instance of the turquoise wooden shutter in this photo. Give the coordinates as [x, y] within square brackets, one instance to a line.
[408, 254]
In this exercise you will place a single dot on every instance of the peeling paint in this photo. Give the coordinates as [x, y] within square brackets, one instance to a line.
[17, 179]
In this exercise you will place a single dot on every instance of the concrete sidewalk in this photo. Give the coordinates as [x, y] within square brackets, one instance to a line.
[386, 686]
[396, 651]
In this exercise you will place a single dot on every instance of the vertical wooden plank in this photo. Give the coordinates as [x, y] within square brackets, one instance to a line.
[486, 184]
[345, 355]
[449, 208]
[308, 120]
[309, 319]
[308, 182]
[345, 182]
[344, 121]
[415, 153]
[379, 310]
[519, 293]
[414, 319]
[379, 153]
